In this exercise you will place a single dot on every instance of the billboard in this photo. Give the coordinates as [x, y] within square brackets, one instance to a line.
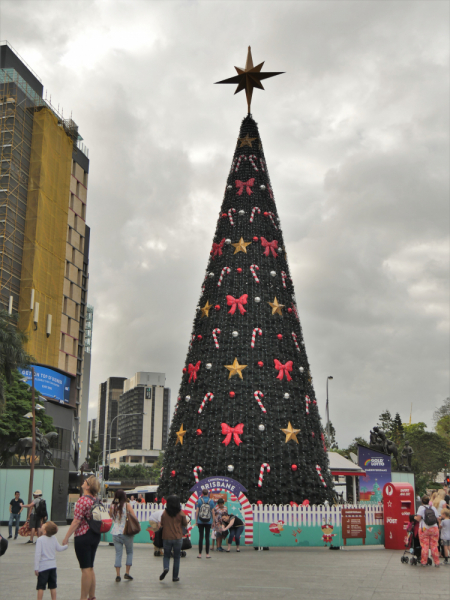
[377, 467]
[49, 383]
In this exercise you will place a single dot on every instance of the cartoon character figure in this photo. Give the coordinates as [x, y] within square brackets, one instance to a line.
[327, 537]
[276, 528]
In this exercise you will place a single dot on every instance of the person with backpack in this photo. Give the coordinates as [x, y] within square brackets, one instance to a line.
[87, 535]
[204, 517]
[38, 514]
[428, 518]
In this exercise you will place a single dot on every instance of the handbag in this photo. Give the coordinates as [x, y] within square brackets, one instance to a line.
[132, 525]
[25, 530]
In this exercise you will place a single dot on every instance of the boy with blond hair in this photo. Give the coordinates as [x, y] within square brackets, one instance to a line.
[45, 559]
[445, 532]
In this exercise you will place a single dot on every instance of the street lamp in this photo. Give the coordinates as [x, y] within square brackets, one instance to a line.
[328, 416]
[110, 431]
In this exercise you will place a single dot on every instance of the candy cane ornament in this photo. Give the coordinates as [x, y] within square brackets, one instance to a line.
[209, 396]
[224, 270]
[238, 164]
[261, 473]
[252, 162]
[254, 209]
[195, 470]
[252, 269]
[283, 279]
[215, 333]
[271, 217]
[308, 402]
[190, 343]
[263, 162]
[230, 215]
[295, 341]
[319, 473]
[258, 395]
[255, 331]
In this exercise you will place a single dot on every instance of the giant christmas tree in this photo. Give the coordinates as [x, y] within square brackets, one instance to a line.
[246, 406]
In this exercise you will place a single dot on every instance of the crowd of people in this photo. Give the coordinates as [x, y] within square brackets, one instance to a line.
[429, 527]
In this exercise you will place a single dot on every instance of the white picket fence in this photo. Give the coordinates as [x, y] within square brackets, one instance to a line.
[306, 516]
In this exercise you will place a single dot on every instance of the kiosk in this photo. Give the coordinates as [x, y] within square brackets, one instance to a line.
[398, 500]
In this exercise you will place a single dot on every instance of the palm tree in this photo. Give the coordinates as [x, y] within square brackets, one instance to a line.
[12, 352]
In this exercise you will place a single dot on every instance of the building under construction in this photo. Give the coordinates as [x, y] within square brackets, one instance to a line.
[44, 247]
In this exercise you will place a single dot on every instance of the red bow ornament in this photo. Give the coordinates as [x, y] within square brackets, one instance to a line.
[237, 302]
[247, 184]
[193, 371]
[232, 431]
[217, 248]
[283, 369]
[269, 247]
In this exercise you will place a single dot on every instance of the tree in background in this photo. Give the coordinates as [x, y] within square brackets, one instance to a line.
[94, 452]
[431, 453]
[136, 471]
[13, 424]
[443, 427]
[443, 411]
[12, 353]
[246, 406]
[331, 443]
[397, 431]
[386, 423]
[157, 466]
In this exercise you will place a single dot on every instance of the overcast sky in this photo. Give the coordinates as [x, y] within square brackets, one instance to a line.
[356, 140]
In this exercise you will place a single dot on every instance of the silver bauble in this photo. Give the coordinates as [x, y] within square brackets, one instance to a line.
[301, 369]
[286, 396]
[242, 212]
[261, 427]
[208, 365]
[262, 187]
[187, 398]
[227, 241]
[211, 275]
[280, 250]
[235, 334]
[273, 273]
[257, 300]
[229, 187]
[230, 468]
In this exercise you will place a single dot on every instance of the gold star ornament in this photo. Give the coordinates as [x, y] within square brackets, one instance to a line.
[246, 141]
[291, 433]
[248, 78]
[276, 308]
[205, 309]
[241, 246]
[235, 369]
[180, 435]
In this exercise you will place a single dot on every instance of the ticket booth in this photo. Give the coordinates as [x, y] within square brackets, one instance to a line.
[398, 500]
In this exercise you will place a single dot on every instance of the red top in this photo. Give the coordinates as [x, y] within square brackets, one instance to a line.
[81, 513]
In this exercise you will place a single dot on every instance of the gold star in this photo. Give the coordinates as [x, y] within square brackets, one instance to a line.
[276, 308]
[205, 309]
[241, 246]
[235, 369]
[180, 435]
[291, 433]
[246, 141]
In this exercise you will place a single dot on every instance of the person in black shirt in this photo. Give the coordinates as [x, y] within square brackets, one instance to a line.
[15, 508]
[235, 525]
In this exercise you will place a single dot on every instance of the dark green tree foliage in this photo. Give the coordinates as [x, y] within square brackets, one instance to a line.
[94, 452]
[289, 396]
[386, 422]
[139, 471]
[397, 432]
[13, 424]
[12, 354]
[331, 443]
[442, 411]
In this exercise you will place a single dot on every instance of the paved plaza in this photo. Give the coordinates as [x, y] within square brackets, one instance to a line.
[288, 573]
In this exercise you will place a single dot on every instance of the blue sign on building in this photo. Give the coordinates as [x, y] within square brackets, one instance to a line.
[49, 383]
[377, 466]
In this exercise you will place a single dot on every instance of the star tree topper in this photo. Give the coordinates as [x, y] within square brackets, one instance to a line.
[248, 78]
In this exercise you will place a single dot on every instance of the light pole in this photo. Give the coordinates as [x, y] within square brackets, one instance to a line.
[328, 416]
[110, 431]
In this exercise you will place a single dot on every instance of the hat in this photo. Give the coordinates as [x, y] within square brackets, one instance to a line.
[37, 493]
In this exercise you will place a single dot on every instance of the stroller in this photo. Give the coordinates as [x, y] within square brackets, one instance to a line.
[413, 544]
[157, 536]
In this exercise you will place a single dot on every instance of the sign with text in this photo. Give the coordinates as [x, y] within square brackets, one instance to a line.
[219, 483]
[377, 467]
[353, 524]
[49, 383]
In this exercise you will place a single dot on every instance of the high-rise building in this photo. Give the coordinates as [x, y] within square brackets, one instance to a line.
[92, 431]
[109, 393]
[44, 247]
[83, 434]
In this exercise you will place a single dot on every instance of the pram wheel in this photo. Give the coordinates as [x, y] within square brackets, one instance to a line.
[429, 562]
[183, 554]
[404, 560]
[413, 560]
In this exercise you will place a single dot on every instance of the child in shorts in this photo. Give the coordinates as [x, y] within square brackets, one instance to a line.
[45, 559]
[445, 532]
[213, 539]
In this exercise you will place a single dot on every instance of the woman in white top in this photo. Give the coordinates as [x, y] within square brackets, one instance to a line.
[118, 512]
[429, 531]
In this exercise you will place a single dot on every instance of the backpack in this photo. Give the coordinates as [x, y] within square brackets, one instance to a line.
[204, 512]
[99, 520]
[429, 517]
[41, 510]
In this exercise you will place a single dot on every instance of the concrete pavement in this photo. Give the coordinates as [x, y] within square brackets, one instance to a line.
[352, 574]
